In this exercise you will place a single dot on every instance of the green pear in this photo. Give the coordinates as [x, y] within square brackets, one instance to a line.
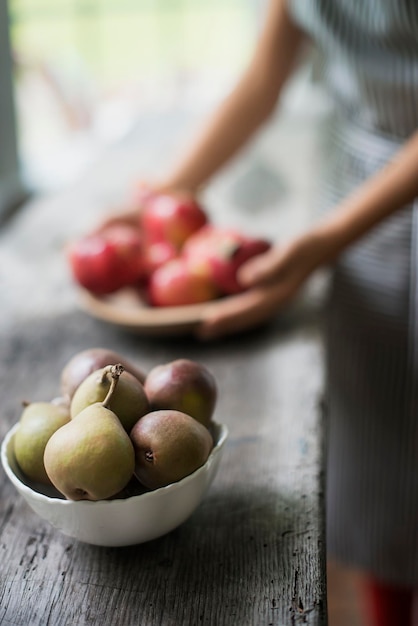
[84, 363]
[169, 445]
[91, 457]
[37, 423]
[184, 385]
[129, 400]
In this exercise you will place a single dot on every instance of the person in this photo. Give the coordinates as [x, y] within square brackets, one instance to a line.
[369, 237]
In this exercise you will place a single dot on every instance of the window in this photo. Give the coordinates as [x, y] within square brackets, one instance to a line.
[11, 189]
[86, 70]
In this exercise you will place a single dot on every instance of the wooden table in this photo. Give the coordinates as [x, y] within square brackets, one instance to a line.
[253, 554]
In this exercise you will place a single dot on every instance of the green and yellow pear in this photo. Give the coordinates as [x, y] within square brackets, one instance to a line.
[129, 400]
[37, 423]
[91, 457]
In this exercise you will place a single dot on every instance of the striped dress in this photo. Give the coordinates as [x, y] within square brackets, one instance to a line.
[369, 65]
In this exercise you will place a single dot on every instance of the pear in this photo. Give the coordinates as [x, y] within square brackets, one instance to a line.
[62, 401]
[184, 385]
[83, 363]
[38, 421]
[129, 400]
[169, 445]
[91, 457]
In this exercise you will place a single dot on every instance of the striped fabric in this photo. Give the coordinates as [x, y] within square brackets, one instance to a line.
[370, 61]
[370, 68]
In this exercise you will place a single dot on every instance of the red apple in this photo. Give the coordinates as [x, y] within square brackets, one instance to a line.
[171, 218]
[225, 266]
[203, 241]
[177, 283]
[105, 261]
[201, 245]
[219, 252]
[157, 254]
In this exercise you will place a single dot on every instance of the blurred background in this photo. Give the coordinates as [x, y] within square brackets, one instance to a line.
[85, 71]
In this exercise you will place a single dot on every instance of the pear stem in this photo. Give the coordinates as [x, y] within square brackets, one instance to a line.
[115, 371]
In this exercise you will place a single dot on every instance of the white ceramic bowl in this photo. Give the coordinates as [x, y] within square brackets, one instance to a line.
[119, 522]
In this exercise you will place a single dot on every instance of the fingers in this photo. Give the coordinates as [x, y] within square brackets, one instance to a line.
[160, 187]
[241, 312]
[261, 268]
[117, 219]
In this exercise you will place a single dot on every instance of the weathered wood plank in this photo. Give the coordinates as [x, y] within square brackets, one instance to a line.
[252, 554]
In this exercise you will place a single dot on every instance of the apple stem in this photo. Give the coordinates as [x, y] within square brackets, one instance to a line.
[115, 371]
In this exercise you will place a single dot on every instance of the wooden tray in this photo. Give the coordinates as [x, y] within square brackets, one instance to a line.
[126, 308]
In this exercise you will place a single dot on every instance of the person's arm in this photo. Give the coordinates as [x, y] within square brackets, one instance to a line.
[275, 277]
[236, 119]
[246, 108]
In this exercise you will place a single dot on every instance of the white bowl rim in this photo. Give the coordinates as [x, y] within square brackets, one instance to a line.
[41, 497]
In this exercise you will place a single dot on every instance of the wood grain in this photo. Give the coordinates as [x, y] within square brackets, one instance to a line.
[253, 554]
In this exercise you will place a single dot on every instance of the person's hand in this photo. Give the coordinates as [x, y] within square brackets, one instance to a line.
[124, 216]
[272, 280]
[129, 213]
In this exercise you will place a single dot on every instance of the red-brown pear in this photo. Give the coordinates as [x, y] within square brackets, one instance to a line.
[183, 385]
[169, 445]
[85, 362]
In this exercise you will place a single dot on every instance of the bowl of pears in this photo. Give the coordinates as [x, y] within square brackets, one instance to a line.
[120, 456]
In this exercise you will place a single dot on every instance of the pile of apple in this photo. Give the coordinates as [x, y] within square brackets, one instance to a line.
[115, 431]
[174, 255]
